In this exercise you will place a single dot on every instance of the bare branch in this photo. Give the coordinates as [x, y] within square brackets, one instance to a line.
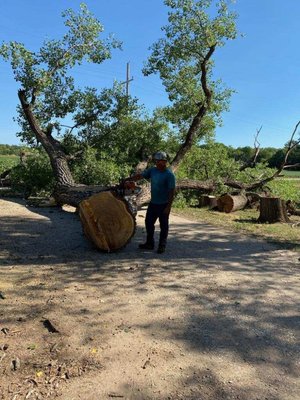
[75, 156]
[252, 162]
[291, 166]
[292, 144]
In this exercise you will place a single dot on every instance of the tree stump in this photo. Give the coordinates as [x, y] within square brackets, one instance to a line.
[273, 209]
[107, 221]
[228, 203]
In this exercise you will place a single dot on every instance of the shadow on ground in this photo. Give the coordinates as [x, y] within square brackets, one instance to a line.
[237, 297]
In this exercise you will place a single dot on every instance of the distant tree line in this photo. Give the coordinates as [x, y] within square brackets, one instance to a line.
[9, 150]
[271, 156]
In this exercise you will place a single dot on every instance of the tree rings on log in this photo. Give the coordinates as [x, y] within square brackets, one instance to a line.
[228, 203]
[107, 221]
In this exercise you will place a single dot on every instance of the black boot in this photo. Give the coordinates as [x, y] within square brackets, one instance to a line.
[161, 248]
[146, 246]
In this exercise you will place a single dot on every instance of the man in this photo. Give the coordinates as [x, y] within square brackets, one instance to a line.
[162, 195]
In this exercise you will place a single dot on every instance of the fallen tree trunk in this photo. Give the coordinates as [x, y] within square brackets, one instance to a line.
[107, 221]
[204, 186]
[272, 209]
[73, 195]
[295, 212]
[229, 203]
[291, 208]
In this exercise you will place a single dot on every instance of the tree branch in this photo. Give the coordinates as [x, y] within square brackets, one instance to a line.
[252, 162]
[193, 130]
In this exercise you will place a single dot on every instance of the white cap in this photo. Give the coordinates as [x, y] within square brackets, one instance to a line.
[160, 155]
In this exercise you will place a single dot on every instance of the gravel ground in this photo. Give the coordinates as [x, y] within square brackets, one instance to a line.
[215, 317]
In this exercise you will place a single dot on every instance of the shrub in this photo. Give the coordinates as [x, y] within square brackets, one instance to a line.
[34, 177]
[180, 200]
[286, 189]
[7, 162]
[93, 169]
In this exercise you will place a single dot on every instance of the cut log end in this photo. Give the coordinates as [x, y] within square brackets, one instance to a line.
[107, 221]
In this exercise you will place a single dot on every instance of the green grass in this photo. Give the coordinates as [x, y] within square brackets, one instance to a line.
[7, 162]
[245, 221]
[291, 174]
[286, 188]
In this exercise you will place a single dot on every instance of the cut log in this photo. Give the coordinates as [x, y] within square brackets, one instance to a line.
[228, 203]
[208, 201]
[107, 221]
[273, 209]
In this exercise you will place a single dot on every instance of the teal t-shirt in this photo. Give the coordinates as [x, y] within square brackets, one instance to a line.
[161, 183]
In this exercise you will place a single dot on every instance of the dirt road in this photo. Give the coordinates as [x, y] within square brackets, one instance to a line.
[215, 317]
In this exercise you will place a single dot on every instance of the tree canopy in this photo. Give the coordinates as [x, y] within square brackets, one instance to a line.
[44, 75]
[183, 60]
[109, 128]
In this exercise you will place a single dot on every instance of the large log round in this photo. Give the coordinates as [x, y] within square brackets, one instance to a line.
[273, 209]
[107, 221]
[228, 203]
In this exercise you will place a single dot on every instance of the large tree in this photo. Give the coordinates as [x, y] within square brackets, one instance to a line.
[184, 61]
[183, 58]
[47, 93]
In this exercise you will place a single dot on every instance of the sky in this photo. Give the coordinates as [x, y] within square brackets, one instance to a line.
[263, 66]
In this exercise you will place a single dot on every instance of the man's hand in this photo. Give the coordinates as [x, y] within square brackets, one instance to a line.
[127, 184]
[167, 210]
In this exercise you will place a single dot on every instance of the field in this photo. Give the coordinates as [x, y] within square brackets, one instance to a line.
[7, 162]
[292, 174]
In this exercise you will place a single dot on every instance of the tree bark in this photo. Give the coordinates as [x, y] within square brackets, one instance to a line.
[272, 209]
[228, 203]
[203, 186]
[193, 131]
[54, 149]
[73, 195]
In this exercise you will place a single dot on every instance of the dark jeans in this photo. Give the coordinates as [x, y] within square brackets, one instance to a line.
[155, 211]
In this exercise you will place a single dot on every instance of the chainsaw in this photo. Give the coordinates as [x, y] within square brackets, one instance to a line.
[128, 190]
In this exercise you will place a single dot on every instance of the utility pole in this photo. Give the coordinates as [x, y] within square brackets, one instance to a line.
[128, 79]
